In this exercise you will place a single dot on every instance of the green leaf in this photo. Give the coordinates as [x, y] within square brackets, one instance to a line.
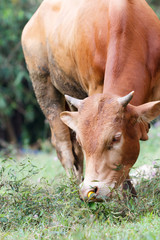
[3, 220]
[92, 205]
[3, 104]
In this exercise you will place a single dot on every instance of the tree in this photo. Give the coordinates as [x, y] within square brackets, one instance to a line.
[18, 107]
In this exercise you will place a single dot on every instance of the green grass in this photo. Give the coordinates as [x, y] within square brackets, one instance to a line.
[150, 150]
[38, 201]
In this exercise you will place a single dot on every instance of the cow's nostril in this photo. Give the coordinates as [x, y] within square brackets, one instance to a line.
[96, 190]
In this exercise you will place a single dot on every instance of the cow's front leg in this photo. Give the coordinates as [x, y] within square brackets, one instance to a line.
[68, 151]
[52, 103]
[128, 187]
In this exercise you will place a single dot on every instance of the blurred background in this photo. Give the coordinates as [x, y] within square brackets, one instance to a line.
[21, 120]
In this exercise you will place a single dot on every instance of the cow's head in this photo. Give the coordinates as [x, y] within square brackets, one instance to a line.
[108, 129]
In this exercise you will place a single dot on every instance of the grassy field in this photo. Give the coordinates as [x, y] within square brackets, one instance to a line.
[38, 201]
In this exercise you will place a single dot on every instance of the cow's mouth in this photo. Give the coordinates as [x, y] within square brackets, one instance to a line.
[98, 192]
[95, 197]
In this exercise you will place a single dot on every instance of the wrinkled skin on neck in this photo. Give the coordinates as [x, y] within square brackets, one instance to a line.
[109, 135]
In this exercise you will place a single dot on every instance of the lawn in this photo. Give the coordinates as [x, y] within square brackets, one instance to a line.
[38, 201]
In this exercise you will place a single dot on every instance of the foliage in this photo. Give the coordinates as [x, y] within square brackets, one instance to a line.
[156, 2]
[38, 201]
[53, 210]
[18, 106]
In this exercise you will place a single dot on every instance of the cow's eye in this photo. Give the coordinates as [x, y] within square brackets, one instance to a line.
[115, 140]
[117, 137]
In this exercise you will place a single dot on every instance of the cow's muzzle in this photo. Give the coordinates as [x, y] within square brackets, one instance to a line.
[96, 191]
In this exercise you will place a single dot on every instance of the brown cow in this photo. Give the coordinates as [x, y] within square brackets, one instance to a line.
[98, 51]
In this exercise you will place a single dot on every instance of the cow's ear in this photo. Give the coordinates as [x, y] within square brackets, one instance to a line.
[70, 119]
[149, 111]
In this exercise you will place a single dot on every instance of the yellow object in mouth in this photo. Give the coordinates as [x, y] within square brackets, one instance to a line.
[90, 193]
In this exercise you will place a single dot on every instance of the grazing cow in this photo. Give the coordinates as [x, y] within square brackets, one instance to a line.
[96, 52]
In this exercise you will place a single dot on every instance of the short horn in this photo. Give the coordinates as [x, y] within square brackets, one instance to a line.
[126, 99]
[74, 101]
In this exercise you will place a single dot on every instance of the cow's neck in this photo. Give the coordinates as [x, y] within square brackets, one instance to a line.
[131, 67]
[132, 53]
[132, 77]
[126, 83]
